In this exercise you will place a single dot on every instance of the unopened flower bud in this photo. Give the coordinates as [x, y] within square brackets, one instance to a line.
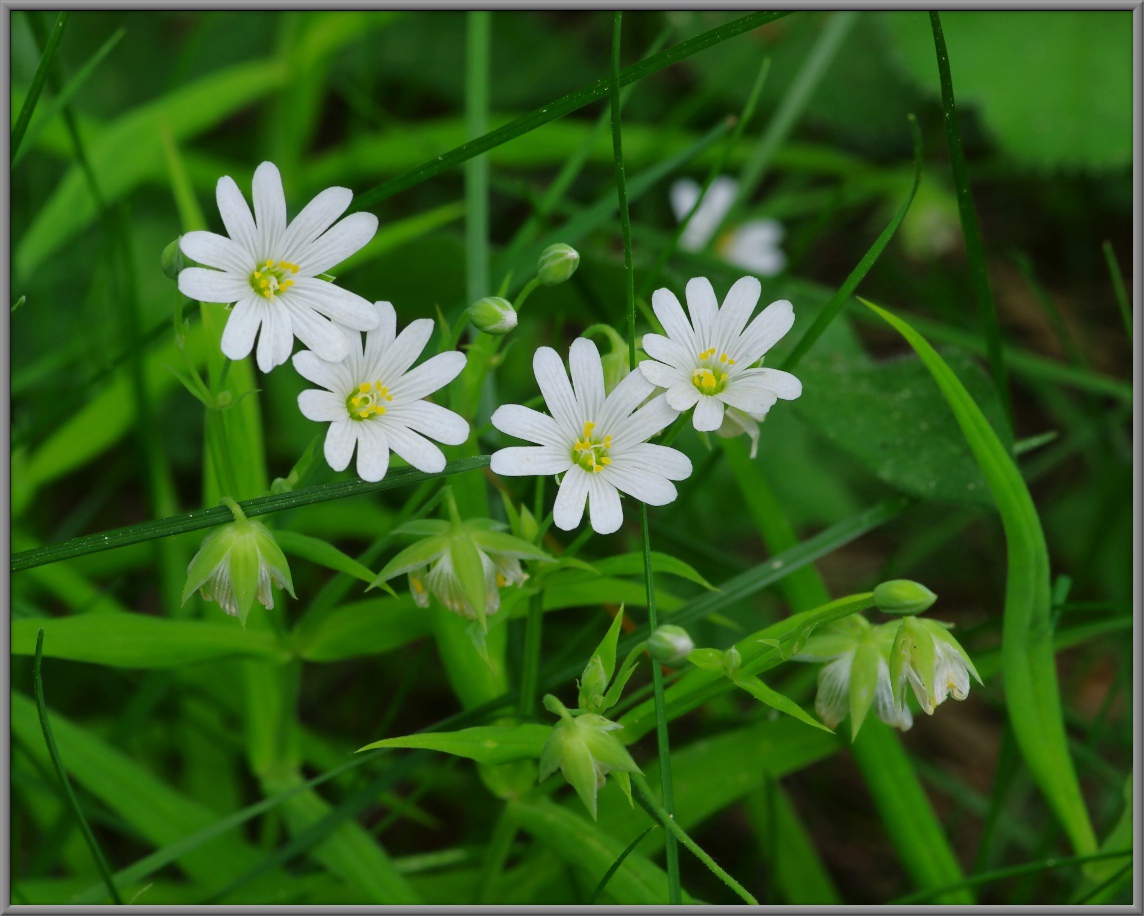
[732, 660]
[670, 645]
[903, 596]
[493, 315]
[173, 260]
[557, 263]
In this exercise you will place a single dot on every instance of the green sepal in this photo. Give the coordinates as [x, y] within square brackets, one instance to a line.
[499, 542]
[863, 683]
[213, 551]
[605, 747]
[470, 573]
[272, 554]
[244, 575]
[707, 659]
[627, 669]
[625, 782]
[577, 766]
[479, 638]
[592, 684]
[415, 556]
[900, 653]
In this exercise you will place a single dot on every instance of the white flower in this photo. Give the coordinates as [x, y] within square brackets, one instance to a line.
[596, 442]
[706, 361]
[753, 245]
[936, 666]
[737, 422]
[269, 270]
[857, 676]
[440, 580]
[375, 402]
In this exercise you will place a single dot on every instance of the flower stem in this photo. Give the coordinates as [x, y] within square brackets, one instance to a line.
[671, 847]
[525, 292]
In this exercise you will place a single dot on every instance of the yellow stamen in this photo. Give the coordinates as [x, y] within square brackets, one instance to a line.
[501, 581]
[706, 354]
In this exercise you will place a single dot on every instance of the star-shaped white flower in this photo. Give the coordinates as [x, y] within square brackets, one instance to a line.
[753, 245]
[374, 401]
[269, 270]
[706, 362]
[596, 442]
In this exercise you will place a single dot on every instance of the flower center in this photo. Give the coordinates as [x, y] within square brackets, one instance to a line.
[269, 278]
[591, 452]
[368, 401]
[711, 376]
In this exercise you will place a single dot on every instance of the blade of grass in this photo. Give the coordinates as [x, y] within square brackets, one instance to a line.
[1118, 287]
[975, 252]
[560, 107]
[631, 847]
[1033, 696]
[1056, 321]
[57, 762]
[830, 311]
[477, 27]
[208, 518]
[41, 76]
[674, 892]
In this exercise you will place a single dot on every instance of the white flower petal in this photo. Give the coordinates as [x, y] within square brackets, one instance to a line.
[754, 246]
[381, 337]
[338, 304]
[646, 486]
[416, 449]
[783, 384]
[750, 394]
[643, 424]
[530, 461]
[269, 208]
[319, 334]
[373, 451]
[334, 376]
[568, 509]
[703, 306]
[433, 374]
[321, 406]
[764, 332]
[276, 339]
[737, 307]
[708, 414]
[712, 209]
[236, 216]
[406, 348]
[529, 424]
[341, 438]
[604, 511]
[628, 394]
[670, 352]
[897, 715]
[241, 328]
[662, 460]
[587, 376]
[670, 314]
[207, 285]
[557, 391]
[333, 247]
[660, 375]
[213, 250]
[316, 217]
[682, 396]
[432, 420]
[832, 702]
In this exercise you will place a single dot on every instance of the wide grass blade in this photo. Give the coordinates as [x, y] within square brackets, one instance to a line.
[1032, 695]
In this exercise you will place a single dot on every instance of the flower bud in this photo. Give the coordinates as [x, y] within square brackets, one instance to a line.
[493, 315]
[557, 263]
[732, 660]
[593, 683]
[173, 260]
[670, 645]
[903, 596]
[236, 564]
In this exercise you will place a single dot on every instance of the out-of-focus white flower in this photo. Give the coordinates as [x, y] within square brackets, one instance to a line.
[269, 270]
[738, 422]
[373, 401]
[753, 245]
[596, 442]
[706, 362]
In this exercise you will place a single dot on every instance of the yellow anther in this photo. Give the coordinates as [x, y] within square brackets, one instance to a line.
[722, 376]
[271, 263]
[706, 354]
[363, 387]
[605, 461]
[267, 294]
[607, 441]
[363, 413]
[588, 427]
[730, 362]
[417, 586]
[257, 274]
[501, 581]
[286, 284]
[264, 282]
[596, 468]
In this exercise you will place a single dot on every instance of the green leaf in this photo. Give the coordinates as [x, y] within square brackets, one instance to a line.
[488, 744]
[1065, 102]
[136, 641]
[632, 564]
[500, 542]
[1032, 694]
[890, 419]
[324, 554]
[776, 700]
[371, 627]
[422, 527]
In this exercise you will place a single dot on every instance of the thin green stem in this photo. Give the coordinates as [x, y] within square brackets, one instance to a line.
[671, 849]
[477, 169]
[667, 821]
[57, 762]
[615, 866]
[1118, 287]
[533, 630]
[525, 292]
[974, 249]
[218, 515]
[41, 76]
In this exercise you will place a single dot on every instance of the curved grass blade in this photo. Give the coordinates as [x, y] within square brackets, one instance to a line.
[838, 300]
[616, 865]
[218, 515]
[53, 751]
[29, 106]
[1032, 694]
[974, 250]
[560, 107]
